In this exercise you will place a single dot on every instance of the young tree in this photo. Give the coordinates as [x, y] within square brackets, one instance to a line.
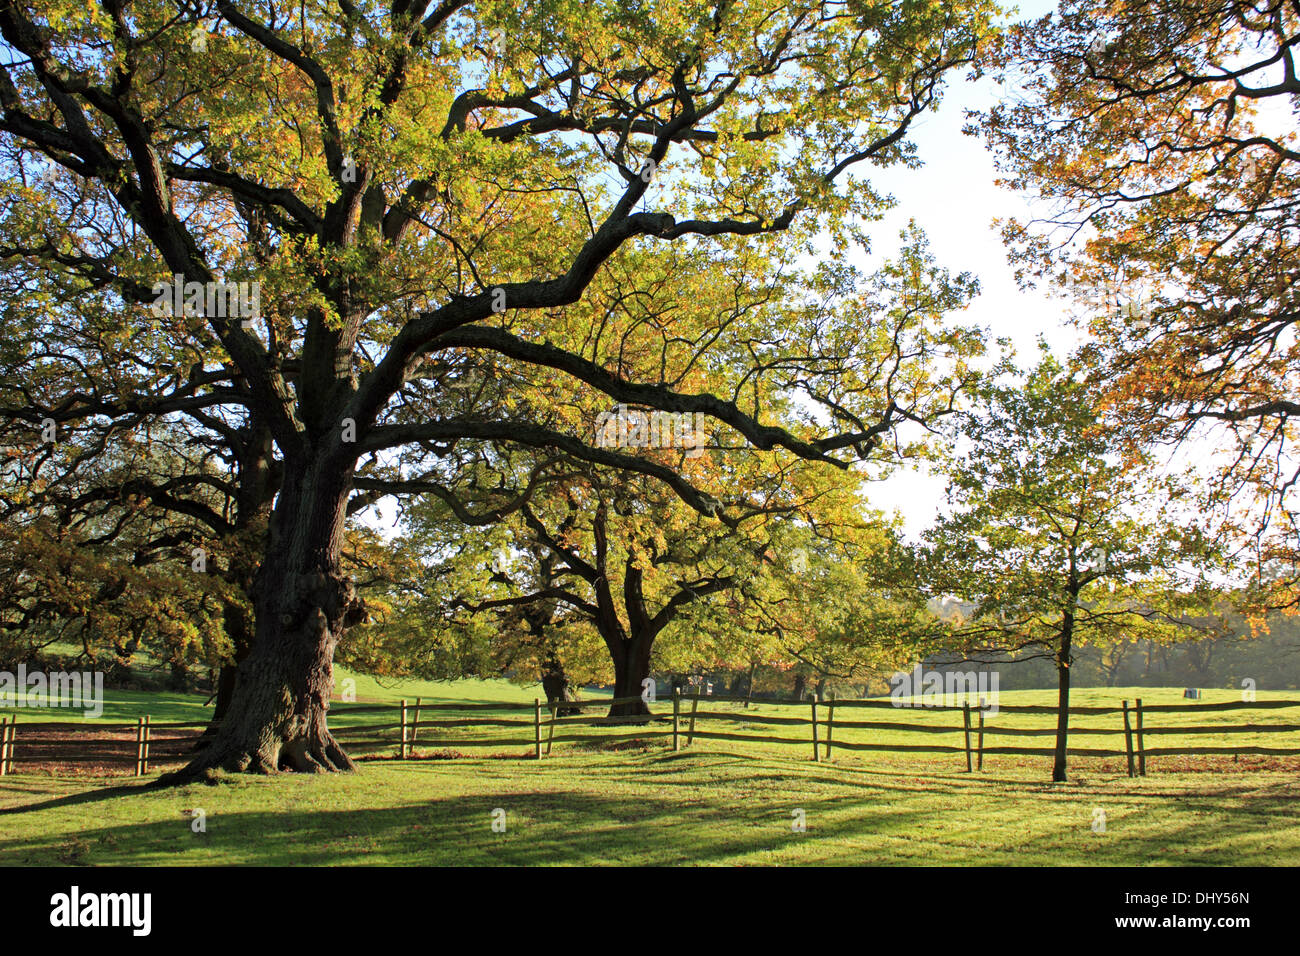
[410, 185]
[1058, 540]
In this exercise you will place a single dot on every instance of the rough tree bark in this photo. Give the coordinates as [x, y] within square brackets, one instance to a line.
[258, 480]
[631, 658]
[277, 717]
[555, 684]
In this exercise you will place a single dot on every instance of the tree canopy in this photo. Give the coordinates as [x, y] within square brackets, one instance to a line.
[344, 240]
[1159, 138]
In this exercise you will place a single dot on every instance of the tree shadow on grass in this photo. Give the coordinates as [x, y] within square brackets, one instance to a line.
[73, 799]
[558, 827]
[567, 826]
[665, 809]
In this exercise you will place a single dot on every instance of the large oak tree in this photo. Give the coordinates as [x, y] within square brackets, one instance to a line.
[419, 191]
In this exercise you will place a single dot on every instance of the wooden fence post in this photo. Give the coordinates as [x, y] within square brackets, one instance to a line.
[695, 703]
[1142, 750]
[830, 725]
[147, 734]
[139, 745]
[4, 744]
[415, 724]
[1128, 739]
[979, 760]
[9, 747]
[401, 747]
[677, 717]
[817, 750]
[965, 716]
[537, 727]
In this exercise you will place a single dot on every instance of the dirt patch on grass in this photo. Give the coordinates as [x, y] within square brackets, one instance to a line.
[98, 751]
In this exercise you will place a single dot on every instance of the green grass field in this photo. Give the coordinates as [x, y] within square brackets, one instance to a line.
[655, 807]
[628, 799]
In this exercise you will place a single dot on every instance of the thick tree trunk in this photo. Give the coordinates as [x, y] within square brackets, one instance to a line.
[258, 481]
[631, 668]
[277, 712]
[800, 685]
[239, 628]
[225, 690]
[555, 684]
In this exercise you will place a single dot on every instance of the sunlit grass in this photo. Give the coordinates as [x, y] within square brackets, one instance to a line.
[659, 808]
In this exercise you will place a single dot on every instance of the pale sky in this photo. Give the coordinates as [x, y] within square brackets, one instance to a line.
[955, 199]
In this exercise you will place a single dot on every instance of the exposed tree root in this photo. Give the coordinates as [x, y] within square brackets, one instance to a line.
[317, 755]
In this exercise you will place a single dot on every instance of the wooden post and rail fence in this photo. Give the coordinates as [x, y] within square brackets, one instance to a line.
[830, 726]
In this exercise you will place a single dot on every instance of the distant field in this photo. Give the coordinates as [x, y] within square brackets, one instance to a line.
[120, 705]
[505, 727]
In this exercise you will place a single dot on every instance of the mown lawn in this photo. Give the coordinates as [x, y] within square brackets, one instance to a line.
[627, 798]
[655, 807]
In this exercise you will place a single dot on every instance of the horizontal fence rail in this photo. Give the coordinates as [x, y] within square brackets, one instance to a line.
[424, 730]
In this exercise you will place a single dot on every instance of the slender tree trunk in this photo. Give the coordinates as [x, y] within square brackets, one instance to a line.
[304, 604]
[1062, 699]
